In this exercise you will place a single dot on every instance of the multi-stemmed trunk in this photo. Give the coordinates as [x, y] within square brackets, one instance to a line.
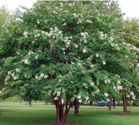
[62, 111]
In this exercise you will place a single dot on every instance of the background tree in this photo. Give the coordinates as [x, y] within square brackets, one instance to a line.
[131, 31]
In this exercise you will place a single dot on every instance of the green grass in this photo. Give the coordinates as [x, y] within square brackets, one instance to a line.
[40, 114]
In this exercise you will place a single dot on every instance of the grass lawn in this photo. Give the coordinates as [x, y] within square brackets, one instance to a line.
[40, 114]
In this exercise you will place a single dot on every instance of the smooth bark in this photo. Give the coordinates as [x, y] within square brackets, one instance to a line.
[62, 111]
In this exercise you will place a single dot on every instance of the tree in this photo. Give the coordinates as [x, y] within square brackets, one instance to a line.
[130, 31]
[69, 50]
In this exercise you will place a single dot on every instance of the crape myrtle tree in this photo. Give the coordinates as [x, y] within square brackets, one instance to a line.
[67, 50]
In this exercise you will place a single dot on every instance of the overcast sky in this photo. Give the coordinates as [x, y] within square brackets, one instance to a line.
[129, 7]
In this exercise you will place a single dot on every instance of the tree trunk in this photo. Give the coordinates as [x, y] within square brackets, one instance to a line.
[125, 102]
[110, 103]
[62, 111]
[114, 103]
[76, 106]
[91, 103]
[30, 102]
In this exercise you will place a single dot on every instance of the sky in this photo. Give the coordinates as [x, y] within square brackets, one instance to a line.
[129, 7]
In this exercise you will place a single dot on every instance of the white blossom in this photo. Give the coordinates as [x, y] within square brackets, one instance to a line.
[76, 46]
[75, 15]
[7, 78]
[87, 98]
[30, 52]
[111, 39]
[106, 94]
[80, 100]
[107, 81]
[118, 82]
[79, 21]
[55, 12]
[97, 91]
[79, 97]
[26, 61]
[89, 21]
[102, 35]
[45, 76]
[119, 87]
[42, 75]
[97, 55]
[132, 93]
[25, 34]
[55, 98]
[103, 62]
[58, 93]
[92, 65]
[38, 22]
[84, 50]
[18, 70]
[115, 88]
[84, 36]
[15, 77]
[36, 57]
[92, 83]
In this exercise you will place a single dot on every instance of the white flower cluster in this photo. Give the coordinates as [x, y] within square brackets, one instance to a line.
[119, 87]
[89, 21]
[75, 15]
[114, 45]
[37, 33]
[102, 35]
[6, 79]
[111, 39]
[132, 95]
[30, 53]
[18, 70]
[115, 88]
[85, 85]
[41, 76]
[104, 62]
[54, 12]
[55, 33]
[84, 37]
[97, 55]
[118, 82]
[107, 81]
[75, 45]
[67, 41]
[12, 74]
[25, 34]
[26, 61]
[84, 50]
[92, 84]
[79, 98]
[97, 90]
[36, 55]
[38, 21]
[106, 94]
